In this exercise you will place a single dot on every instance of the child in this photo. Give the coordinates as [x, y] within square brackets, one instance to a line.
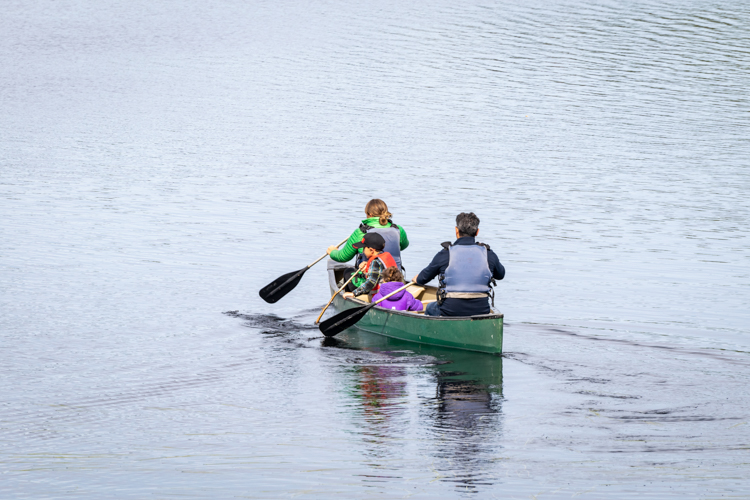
[403, 300]
[372, 246]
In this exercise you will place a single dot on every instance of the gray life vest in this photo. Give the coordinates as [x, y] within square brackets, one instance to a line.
[468, 274]
[392, 237]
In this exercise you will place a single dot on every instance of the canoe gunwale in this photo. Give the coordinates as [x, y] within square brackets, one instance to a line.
[412, 314]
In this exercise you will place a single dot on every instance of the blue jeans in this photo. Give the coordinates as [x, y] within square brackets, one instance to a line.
[432, 309]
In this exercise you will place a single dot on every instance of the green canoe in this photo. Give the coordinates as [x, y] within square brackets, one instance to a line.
[472, 333]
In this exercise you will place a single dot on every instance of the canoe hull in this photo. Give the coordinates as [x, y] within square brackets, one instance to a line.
[474, 333]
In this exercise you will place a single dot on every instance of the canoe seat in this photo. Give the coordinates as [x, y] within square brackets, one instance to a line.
[363, 298]
[425, 302]
[415, 290]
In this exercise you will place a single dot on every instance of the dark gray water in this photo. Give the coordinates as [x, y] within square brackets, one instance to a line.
[161, 162]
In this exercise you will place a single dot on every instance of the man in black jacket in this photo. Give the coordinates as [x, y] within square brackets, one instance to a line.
[465, 269]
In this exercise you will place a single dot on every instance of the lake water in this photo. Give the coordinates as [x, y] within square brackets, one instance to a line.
[160, 162]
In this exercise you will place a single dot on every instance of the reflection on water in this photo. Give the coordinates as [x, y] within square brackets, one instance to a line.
[467, 425]
[458, 394]
[378, 387]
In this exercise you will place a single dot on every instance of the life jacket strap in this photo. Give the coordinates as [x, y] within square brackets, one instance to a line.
[448, 244]
[366, 227]
[464, 295]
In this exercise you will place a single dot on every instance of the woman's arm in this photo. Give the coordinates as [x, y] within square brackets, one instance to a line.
[346, 252]
[403, 241]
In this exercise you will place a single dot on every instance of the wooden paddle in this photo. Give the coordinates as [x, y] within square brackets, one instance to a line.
[337, 292]
[282, 285]
[346, 319]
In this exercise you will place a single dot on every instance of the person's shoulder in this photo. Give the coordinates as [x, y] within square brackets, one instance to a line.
[359, 232]
[443, 252]
[491, 255]
[489, 249]
[399, 227]
[374, 223]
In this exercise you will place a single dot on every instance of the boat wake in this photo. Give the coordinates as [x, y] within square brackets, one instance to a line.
[270, 323]
[345, 351]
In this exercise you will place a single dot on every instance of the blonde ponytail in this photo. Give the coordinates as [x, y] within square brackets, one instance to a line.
[378, 208]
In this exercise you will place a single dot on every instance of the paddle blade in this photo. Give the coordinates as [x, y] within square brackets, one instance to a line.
[282, 285]
[343, 320]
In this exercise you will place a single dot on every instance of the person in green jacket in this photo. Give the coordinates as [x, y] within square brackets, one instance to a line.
[379, 221]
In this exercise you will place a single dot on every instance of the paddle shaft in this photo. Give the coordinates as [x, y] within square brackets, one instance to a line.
[392, 293]
[325, 255]
[303, 270]
[334, 295]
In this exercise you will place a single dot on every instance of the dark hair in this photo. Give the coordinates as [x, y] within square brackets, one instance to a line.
[378, 208]
[392, 274]
[467, 224]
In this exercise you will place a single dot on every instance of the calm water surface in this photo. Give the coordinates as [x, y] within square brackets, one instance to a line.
[161, 162]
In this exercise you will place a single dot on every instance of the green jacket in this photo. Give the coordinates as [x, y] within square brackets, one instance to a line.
[346, 252]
